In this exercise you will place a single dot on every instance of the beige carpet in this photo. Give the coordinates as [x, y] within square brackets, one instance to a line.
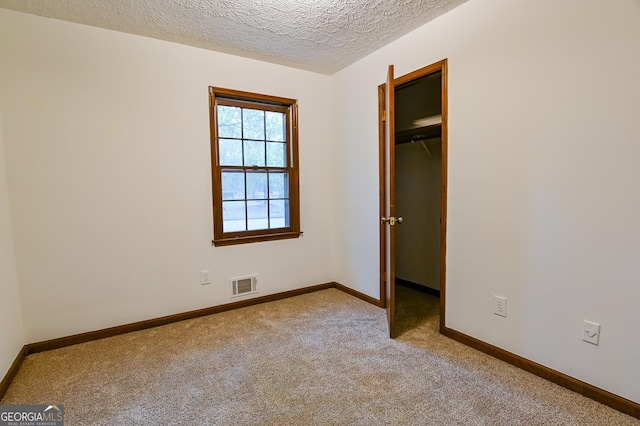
[318, 359]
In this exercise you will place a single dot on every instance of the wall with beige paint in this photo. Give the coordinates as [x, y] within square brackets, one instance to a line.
[418, 176]
[11, 331]
[106, 138]
[108, 159]
[543, 203]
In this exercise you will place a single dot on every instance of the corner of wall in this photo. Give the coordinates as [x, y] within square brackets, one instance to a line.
[11, 322]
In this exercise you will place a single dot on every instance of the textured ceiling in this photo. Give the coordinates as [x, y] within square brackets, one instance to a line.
[318, 35]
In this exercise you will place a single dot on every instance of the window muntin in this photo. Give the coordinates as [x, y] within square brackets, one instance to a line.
[254, 167]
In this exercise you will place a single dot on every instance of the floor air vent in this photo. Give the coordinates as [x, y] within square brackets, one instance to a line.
[244, 285]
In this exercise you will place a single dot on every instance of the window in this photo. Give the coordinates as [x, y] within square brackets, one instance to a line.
[254, 164]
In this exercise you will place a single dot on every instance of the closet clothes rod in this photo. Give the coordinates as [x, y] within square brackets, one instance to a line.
[420, 138]
[416, 135]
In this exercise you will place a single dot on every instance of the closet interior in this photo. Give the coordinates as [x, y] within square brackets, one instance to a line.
[418, 170]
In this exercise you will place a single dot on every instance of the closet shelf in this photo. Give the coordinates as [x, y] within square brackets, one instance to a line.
[424, 128]
[434, 120]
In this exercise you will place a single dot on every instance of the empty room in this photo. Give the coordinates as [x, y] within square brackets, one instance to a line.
[320, 212]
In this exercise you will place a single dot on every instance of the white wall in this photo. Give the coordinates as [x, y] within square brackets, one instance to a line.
[418, 197]
[108, 158]
[543, 177]
[107, 147]
[11, 332]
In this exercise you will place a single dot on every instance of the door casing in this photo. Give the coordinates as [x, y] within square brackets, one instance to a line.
[398, 82]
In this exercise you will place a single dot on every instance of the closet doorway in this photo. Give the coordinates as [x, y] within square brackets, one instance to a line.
[413, 194]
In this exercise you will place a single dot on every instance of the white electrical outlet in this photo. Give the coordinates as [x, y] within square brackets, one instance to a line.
[591, 332]
[204, 277]
[500, 306]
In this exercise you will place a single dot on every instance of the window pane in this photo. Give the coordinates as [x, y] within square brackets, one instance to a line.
[256, 185]
[278, 185]
[229, 122]
[253, 153]
[253, 123]
[255, 191]
[275, 126]
[233, 216]
[230, 152]
[279, 213]
[232, 185]
[276, 154]
[257, 211]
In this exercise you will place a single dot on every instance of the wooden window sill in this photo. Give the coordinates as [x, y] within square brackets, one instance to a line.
[255, 238]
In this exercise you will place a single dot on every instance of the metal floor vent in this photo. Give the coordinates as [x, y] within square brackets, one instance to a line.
[244, 285]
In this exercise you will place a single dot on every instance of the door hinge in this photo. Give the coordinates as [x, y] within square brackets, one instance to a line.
[384, 115]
